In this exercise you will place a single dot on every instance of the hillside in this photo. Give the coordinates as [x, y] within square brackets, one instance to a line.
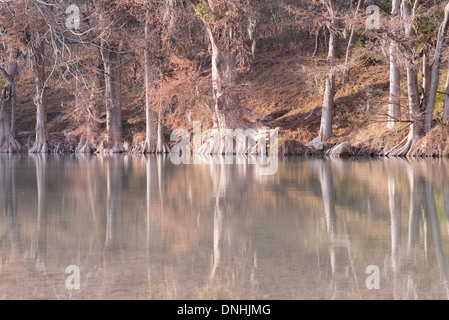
[283, 88]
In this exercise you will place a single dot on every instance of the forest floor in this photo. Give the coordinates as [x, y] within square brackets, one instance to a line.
[282, 89]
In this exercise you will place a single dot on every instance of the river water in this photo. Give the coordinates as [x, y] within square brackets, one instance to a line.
[146, 228]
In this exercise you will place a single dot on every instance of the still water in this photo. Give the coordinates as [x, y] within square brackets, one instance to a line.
[145, 228]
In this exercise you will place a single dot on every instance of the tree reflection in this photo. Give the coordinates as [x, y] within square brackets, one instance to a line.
[327, 193]
[40, 240]
[114, 173]
[395, 222]
[8, 199]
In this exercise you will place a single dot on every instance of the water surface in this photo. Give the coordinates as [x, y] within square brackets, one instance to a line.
[144, 228]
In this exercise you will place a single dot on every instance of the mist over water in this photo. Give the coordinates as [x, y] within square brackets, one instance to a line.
[145, 228]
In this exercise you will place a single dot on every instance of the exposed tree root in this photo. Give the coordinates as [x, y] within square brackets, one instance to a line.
[86, 145]
[40, 146]
[110, 148]
[9, 145]
[227, 141]
[57, 143]
[154, 144]
[403, 148]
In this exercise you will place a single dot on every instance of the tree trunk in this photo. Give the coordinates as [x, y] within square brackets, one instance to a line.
[88, 144]
[8, 144]
[436, 71]
[10, 75]
[161, 146]
[394, 106]
[150, 144]
[41, 143]
[226, 111]
[328, 103]
[351, 43]
[317, 42]
[446, 99]
[426, 78]
[415, 114]
[113, 96]
[252, 24]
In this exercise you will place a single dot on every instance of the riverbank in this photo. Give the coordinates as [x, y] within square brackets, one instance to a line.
[282, 89]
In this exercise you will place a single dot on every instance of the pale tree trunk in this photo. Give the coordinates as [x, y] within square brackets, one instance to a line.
[41, 143]
[252, 24]
[436, 70]
[88, 144]
[227, 113]
[393, 103]
[226, 108]
[161, 145]
[426, 77]
[317, 41]
[328, 102]
[415, 114]
[150, 144]
[446, 99]
[13, 70]
[351, 43]
[113, 97]
[169, 18]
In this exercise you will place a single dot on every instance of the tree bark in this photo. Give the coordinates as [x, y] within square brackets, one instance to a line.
[10, 75]
[150, 140]
[417, 126]
[394, 106]
[426, 77]
[225, 111]
[252, 24]
[8, 144]
[436, 70]
[446, 99]
[88, 143]
[328, 103]
[161, 146]
[41, 143]
[113, 96]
